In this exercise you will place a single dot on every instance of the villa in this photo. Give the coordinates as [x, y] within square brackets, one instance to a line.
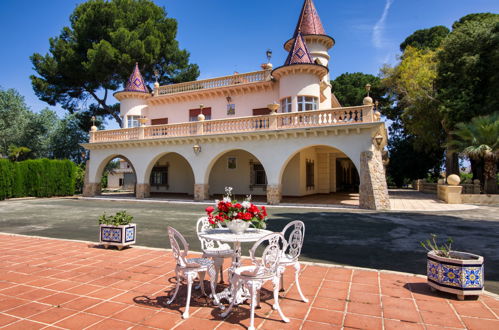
[274, 132]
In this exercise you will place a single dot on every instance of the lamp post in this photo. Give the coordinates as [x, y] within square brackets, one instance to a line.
[269, 55]
[196, 148]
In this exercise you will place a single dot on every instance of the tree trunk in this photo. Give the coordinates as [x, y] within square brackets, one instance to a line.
[451, 163]
[490, 169]
[477, 170]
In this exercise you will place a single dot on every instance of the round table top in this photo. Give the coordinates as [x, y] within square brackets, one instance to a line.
[225, 235]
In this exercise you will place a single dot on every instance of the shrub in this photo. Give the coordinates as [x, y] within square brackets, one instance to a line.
[37, 178]
[120, 218]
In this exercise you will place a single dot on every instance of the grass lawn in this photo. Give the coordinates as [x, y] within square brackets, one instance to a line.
[382, 240]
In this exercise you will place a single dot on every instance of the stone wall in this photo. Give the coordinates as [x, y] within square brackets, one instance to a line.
[484, 199]
[373, 190]
[273, 194]
[143, 190]
[201, 192]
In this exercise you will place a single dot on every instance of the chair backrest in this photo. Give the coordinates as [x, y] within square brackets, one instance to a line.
[294, 239]
[201, 226]
[275, 245]
[179, 251]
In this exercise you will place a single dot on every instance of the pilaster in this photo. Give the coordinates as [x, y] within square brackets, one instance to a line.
[201, 192]
[143, 190]
[373, 191]
[274, 194]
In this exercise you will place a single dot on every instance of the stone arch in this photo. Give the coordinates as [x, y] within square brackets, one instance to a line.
[150, 165]
[103, 163]
[244, 160]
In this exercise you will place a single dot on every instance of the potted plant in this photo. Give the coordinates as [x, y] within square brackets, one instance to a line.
[117, 230]
[451, 271]
[236, 216]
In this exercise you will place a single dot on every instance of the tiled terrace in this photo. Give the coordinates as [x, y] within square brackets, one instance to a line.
[51, 283]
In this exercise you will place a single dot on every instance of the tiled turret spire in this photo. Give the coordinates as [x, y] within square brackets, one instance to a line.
[299, 52]
[309, 21]
[136, 83]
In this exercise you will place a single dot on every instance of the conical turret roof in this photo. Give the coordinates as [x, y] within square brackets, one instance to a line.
[299, 52]
[136, 83]
[309, 21]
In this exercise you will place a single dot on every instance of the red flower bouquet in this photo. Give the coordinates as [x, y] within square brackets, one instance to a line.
[228, 210]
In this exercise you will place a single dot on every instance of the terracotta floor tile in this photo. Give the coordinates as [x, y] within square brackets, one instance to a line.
[329, 303]
[81, 303]
[17, 290]
[472, 308]
[396, 292]
[400, 309]
[83, 289]
[24, 325]
[111, 324]
[79, 321]
[401, 325]
[162, 320]
[134, 314]
[28, 309]
[325, 316]
[310, 325]
[58, 298]
[333, 293]
[36, 294]
[364, 308]
[362, 322]
[339, 274]
[275, 322]
[105, 293]
[366, 288]
[9, 303]
[294, 309]
[480, 324]
[441, 319]
[6, 319]
[106, 308]
[364, 297]
[435, 306]
[53, 315]
[199, 323]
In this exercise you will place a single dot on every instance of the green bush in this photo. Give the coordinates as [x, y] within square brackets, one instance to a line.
[37, 178]
[120, 218]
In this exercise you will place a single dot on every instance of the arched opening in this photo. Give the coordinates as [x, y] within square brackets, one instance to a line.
[320, 175]
[117, 177]
[171, 176]
[240, 170]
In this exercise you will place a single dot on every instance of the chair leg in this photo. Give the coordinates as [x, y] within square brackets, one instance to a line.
[281, 282]
[297, 271]
[222, 271]
[218, 265]
[235, 283]
[188, 301]
[253, 290]
[276, 300]
[201, 282]
[213, 283]
[176, 289]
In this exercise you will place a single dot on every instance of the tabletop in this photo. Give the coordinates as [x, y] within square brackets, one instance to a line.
[225, 235]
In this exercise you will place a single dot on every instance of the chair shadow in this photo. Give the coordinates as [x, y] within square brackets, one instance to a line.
[239, 313]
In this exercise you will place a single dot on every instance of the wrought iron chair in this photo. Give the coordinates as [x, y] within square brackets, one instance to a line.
[213, 249]
[290, 256]
[263, 269]
[189, 269]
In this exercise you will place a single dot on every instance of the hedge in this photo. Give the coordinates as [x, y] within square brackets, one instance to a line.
[37, 178]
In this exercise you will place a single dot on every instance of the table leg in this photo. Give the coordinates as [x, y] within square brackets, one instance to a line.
[242, 294]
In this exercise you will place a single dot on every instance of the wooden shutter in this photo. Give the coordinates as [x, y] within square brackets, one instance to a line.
[195, 112]
[261, 111]
[159, 121]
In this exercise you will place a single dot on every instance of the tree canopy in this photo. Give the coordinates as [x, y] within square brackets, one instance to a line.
[350, 88]
[95, 55]
[426, 38]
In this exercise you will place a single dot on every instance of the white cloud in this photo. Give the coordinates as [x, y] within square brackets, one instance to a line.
[377, 37]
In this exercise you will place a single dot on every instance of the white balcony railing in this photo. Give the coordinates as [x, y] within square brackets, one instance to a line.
[282, 121]
[234, 79]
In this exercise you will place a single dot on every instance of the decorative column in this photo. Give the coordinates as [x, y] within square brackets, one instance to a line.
[91, 189]
[143, 190]
[201, 192]
[273, 194]
[373, 191]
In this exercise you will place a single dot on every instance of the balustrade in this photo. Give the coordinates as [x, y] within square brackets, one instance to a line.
[282, 121]
[234, 79]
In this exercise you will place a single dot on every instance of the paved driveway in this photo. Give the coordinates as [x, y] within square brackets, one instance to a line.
[381, 240]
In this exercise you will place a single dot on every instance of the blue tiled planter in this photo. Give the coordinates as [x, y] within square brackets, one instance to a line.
[462, 277]
[119, 236]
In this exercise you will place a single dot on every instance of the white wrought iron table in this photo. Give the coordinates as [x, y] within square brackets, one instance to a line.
[225, 235]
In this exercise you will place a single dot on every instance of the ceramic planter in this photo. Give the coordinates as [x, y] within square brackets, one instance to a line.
[119, 236]
[238, 226]
[462, 277]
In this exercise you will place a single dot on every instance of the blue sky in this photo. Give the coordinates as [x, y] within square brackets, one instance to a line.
[224, 36]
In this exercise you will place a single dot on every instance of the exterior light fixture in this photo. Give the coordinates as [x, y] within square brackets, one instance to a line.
[93, 120]
[229, 99]
[378, 139]
[196, 148]
[368, 88]
[269, 55]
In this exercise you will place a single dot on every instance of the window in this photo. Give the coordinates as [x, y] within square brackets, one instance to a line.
[231, 163]
[159, 176]
[133, 121]
[286, 104]
[307, 103]
[309, 173]
[193, 114]
[257, 175]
